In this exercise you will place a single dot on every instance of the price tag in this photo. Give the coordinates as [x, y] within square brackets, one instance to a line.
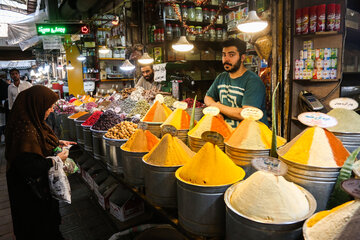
[352, 187]
[270, 164]
[252, 113]
[317, 119]
[117, 97]
[346, 103]
[159, 98]
[214, 111]
[181, 105]
[117, 109]
[169, 129]
[142, 125]
[213, 137]
[89, 86]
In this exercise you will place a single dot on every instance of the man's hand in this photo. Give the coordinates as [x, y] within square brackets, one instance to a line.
[64, 143]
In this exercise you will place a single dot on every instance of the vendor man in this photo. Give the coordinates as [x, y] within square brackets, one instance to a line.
[16, 86]
[147, 79]
[237, 87]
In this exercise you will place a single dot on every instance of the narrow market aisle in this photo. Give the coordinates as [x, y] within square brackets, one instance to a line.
[6, 228]
[83, 218]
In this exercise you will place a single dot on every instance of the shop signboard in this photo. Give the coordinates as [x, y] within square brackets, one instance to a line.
[51, 42]
[62, 29]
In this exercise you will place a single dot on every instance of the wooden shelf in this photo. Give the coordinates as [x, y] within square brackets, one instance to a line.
[317, 34]
[112, 59]
[193, 23]
[117, 80]
[104, 29]
[316, 80]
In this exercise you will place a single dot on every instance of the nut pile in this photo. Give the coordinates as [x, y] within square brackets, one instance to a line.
[126, 92]
[123, 130]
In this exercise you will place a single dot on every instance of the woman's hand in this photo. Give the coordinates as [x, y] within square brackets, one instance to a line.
[64, 143]
[63, 155]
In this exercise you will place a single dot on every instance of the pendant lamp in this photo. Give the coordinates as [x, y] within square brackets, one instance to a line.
[81, 58]
[182, 45]
[252, 23]
[127, 66]
[145, 59]
[69, 66]
[104, 50]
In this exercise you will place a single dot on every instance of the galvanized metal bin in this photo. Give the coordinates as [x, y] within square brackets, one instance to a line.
[88, 142]
[65, 126]
[79, 132]
[196, 143]
[198, 113]
[114, 154]
[99, 145]
[133, 167]
[351, 141]
[160, 185]
[319, 181]
[72, 127]
[243, 157]
[201, 209]
[154, 128]
[238, 224]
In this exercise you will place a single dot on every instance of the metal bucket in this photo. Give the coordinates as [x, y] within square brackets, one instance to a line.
[319, 181]
[88, 142]
[114, 154]
[243, 157]
[201, 209]
[196, 143]
[154, 128]
[65, 126]
[155, 176]
[181, 134]
[72, 128]
[198, 113]
[238, 224]
[351, 141]
[99, 145]
[133, 167]
[79, 132]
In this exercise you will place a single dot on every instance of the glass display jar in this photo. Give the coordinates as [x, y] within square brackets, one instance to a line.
[225, 35]
[206, 36]
[199, 37]
[184, 10]
[219, 34]
[220, 19]
[169, 32]
[212, 14]
[212, 34]
[176, 31]
[206, 15]
[191, 37]
[169, 11]
[198, 14]
[191, 13]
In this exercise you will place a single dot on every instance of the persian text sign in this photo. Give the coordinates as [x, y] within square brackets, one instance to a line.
[61, 29]
[317, 119]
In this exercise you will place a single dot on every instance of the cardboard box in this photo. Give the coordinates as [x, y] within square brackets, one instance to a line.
[193, 55]
[207, 55]
[124, 205]
[103, 198]
[352, 19]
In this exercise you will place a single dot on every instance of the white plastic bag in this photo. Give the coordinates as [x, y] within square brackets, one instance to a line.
[58, 181]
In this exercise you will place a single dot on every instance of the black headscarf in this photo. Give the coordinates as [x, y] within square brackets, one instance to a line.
[26, 129]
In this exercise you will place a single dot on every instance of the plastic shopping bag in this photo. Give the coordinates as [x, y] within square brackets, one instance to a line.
[59, 183]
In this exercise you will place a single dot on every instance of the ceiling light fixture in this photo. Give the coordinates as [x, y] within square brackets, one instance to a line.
[127, 66]
[182, 45]
[115, 21]
[145, 59]
[252, 23]
[81, 58]
[69, 66]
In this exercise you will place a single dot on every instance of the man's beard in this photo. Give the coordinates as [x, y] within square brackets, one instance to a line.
[150, 77]
[234, 68]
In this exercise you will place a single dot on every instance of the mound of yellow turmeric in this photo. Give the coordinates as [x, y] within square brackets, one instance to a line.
[140, 141]
[211, 166]
[211, 123]
[179, 118]
[169, 152]
[158, 112]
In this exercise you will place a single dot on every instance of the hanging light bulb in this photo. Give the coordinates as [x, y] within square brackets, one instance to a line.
[69, 66]
[104, 50]
[32, 72]
[81, 58]
[182, 45]
[115, 21]
[145, 59]
[252, 23]
[127, 66]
